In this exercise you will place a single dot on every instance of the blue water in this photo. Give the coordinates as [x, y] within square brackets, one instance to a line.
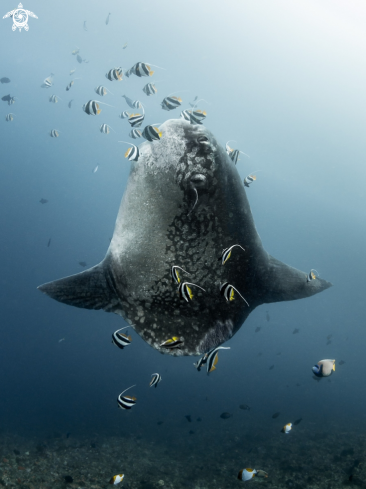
[287, 82]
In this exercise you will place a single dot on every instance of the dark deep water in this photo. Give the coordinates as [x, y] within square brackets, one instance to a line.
[286, 81]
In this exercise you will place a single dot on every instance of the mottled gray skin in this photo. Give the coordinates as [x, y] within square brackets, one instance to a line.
[157, 228]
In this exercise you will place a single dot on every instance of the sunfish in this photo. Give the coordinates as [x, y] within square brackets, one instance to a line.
[184, 204]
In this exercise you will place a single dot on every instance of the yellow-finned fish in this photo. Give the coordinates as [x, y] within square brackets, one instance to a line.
[171, 343]
[116, 479]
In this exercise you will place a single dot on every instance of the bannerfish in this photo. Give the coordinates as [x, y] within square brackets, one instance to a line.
[311, 276]
[249, 179]
[170, 103]
[136, 120]
[100, 90]
[172, 343]
[11, 101]
[125, 45]
[324, 368]
[141, 69]
[213, 358]
[124, 115]
[48, 82]
[233, 153]
[114, 74]
[246, 474]
[116, 479]
[54, 133]
[150, 89]
[175, 273]
[155, 228]
[120, 339]
[133, 153]
[92, 108]
[105, 129]
[201, 362]
[96, 169]
[54, 99]
[156, 378]
[287, 428]
[72, 72]
[152, 133]
[135, 133]
[9, 117]
[126, 402]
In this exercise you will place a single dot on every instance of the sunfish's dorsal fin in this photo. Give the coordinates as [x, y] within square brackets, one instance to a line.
[280, 282]
[91, 289]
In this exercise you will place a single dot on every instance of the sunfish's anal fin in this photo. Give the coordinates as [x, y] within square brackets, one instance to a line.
[91, 289]
[285, 283]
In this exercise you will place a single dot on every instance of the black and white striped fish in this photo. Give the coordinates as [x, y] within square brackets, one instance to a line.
[135, 134]
[249, 179]
[70, 85]
[114, 74]
[226, 253]
[185, 291]
[133, 153]
[213, 358]
[11, 101]
[105, 129]
[137, 104]
[136, 120]
[175, 274]
[172, 343]
[311, 276]
[53, 99]
[92, 108]
[48, 82]
[141, 69]
[228, 291]
[233, 153]
[126, 402]
[156, 378]
[201, 362]
[125, 115]
[186, 115]
[9, 117]
[151, 133]
[100, 90]
[120, 339]
[170, 103]
[150, 89]
[54, 133]
[193, 116]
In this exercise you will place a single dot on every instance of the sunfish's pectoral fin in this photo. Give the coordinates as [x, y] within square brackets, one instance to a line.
[91, 289]
[285, 283]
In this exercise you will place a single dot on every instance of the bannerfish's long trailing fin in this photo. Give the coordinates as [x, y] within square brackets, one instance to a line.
[280, 282]
[92, 289]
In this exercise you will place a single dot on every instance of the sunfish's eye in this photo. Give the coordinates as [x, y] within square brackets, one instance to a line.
[202, 139]
[198, 179]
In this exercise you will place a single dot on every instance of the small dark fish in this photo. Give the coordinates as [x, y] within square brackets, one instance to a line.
[250, 449]
[84, 26]
[68, 435]
[191, 432]
[275, 415]
[43, 201]
[260, 354]
[341, 362]
[257, 329]
[295, 331]
[49, 243]
[329, 342]
[350, 478]
[199, 419]
[160, 423]
[69, 104]
[271, 367]
[4, 79]
[6, 98]
[82, 263]
[329, 336]
[225, 415]
[16, 452]
[267, 316]
[298, 421]
[107, 19]
[279, 353]
[245, 407]
[188, 418]
[68, 479]
[79, 58]
[156, 378]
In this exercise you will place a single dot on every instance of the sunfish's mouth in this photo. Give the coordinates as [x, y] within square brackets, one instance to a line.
[198, 180]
